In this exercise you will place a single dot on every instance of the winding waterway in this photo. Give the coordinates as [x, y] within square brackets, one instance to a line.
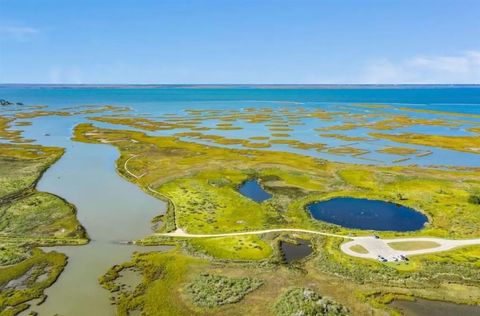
[112, 209]
[109, 207]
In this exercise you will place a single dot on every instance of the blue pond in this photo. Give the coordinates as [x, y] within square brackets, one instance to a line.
[254, 191]
[367, 214]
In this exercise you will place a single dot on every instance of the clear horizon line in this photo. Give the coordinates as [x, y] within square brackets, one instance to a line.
[243, 84]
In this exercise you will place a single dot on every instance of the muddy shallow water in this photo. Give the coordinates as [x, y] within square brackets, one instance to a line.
[295, 251]
[112, 209]
[422, 307]
[108, 206]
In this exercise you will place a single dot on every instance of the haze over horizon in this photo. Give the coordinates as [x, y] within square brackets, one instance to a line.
[245, 42]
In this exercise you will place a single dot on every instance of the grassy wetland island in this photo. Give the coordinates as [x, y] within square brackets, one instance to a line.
[233, 207]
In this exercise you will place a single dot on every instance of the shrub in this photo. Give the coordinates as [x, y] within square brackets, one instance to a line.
[209, 290]
[306, 302]
[474, 199]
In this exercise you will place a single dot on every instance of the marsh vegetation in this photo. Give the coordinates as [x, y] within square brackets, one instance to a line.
[302, 301]
[202, 187]
[28, 219]
[209, 290]
[190, 163]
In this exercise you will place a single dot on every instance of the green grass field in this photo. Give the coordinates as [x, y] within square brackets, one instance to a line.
[413, 245]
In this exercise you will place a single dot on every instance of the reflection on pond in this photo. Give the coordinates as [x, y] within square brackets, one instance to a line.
[367, 214]
[253, 190]
[297, 250]
[421, 307]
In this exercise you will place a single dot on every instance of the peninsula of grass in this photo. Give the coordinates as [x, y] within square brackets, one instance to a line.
[26, 280]
[29, 218]
[70, 111]
[469, 144]
[347, 150]
[401, 121]
[5, 129]
[344, 137]
[398, 151]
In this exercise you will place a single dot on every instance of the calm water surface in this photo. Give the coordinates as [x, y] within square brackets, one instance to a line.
[367, 214]
[295, 251]
[154, 102]
[109, 207]
[253, 190]
[112, 209]
[421, 307]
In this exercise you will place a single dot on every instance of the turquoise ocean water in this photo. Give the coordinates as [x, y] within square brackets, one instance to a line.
[456, 99]
[112, 209]
[154, 102]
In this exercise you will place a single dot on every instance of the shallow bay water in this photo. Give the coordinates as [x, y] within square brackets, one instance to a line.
[113, 209]
[153, 103]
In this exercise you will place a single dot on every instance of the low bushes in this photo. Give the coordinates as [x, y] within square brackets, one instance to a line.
[474, 199]
[209, 290]
[306, 302]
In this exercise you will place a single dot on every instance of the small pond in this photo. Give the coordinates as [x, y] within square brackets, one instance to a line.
[253, 190]
[367, 214]
[295, 251]
[421, 307]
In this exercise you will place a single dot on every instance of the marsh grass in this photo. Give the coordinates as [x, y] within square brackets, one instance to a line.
[29, 218]
[359, 249]
[21, 282]
[303, 301]
[413, 245]
[398, 150]
[209, 290]
[201, 183]
[460, 143]
[233, 248]
[40, 215]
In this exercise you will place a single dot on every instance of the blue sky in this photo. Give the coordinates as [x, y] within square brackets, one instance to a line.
[239, 41]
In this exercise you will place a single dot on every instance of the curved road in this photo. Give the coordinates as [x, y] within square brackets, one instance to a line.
[181, 233]
[381, 247]
[375, 247]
